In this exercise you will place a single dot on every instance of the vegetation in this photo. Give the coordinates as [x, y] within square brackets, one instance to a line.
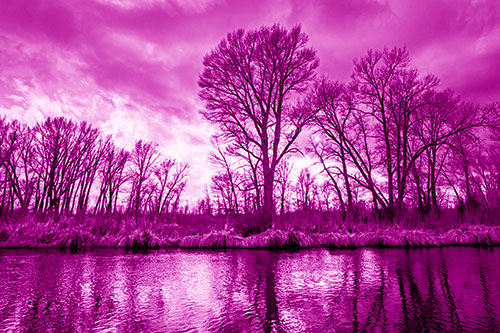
[401, 162]
[189, 231]
[249, 84]
[388, 141]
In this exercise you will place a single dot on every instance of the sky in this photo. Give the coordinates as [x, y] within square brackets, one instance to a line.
[131, 67]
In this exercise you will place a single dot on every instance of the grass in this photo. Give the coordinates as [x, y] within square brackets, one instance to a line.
[128, 231]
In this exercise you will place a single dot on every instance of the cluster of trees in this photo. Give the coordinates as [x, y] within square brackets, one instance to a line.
[388, 139]
[392, 133]
[61, 166]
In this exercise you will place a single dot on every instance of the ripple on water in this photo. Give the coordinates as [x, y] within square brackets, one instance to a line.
[448, 289]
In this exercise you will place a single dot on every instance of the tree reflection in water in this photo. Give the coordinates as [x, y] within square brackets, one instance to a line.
[448, 289]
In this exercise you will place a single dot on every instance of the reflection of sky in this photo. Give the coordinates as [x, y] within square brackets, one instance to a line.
[131, 67]
[316, 290]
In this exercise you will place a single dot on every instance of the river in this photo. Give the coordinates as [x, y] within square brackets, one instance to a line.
[317, 290]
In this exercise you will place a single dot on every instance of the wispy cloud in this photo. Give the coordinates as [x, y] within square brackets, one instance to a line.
[131, 67]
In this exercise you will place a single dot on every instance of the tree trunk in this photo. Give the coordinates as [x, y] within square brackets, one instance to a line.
[268, 206]
[345, 173]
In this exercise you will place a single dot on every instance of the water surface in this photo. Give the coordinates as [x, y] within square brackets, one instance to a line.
[447, 289]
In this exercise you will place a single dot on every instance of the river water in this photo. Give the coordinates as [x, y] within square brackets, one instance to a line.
[319, 290]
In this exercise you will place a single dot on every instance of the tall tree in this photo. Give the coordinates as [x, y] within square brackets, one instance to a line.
[143, 158]
[305, 189]
[392, 96]
[374, 75]
[112, 177]
[61, 148]
[284, 171]
[226, 182]
[9, 140]
[250, 85]
[171, 178]
[19, 166]
[345, 148]
[434, 122]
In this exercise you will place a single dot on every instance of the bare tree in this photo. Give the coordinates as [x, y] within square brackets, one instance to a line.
[284, 184]
[143, 158]
[435, 120]
[171, 177]
[19, 166]
[204, 206]
[379, 124]
[373, 75]
[346, 148]
[250, 85]
[9, 140]
[306, 189]
[86, 158]
[112, 177]
[459, 171]
[227, 181]
[327, 195]
[61, 148]
[221, 188]
[58, 166]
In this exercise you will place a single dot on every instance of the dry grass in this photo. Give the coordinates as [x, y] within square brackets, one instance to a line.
[212, 233]
[212, 240]
[472, 235]
[338, 240]
[269, 239]
[419, 238]
[279, 239]
[90, 231]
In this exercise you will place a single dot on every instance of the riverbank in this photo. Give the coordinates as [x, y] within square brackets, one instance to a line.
[129, 234]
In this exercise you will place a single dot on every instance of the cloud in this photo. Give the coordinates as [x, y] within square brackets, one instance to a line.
[39, 19]
[131, 67]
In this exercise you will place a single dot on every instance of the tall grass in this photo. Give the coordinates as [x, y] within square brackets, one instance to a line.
[122, 230]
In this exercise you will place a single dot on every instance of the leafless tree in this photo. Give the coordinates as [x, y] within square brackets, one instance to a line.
[306, 190]
[171, 179]
[250, 85]
[283, 182]
[112, 177]
[19, 166]
[142, 159]
[226, 183]
[61, 148]
[379, 128]
[346, 148]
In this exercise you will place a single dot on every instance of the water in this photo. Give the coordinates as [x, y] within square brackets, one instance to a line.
[449, 289]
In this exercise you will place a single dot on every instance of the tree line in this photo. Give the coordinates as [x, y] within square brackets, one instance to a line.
[388, 139]
[65, 167]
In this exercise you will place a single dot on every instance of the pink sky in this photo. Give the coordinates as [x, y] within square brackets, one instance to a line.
[131, 67]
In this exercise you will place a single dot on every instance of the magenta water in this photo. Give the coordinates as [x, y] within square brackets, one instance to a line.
[142, 123]
[447, 289]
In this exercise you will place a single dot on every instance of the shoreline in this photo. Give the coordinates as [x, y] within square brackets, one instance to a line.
[473, 235]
